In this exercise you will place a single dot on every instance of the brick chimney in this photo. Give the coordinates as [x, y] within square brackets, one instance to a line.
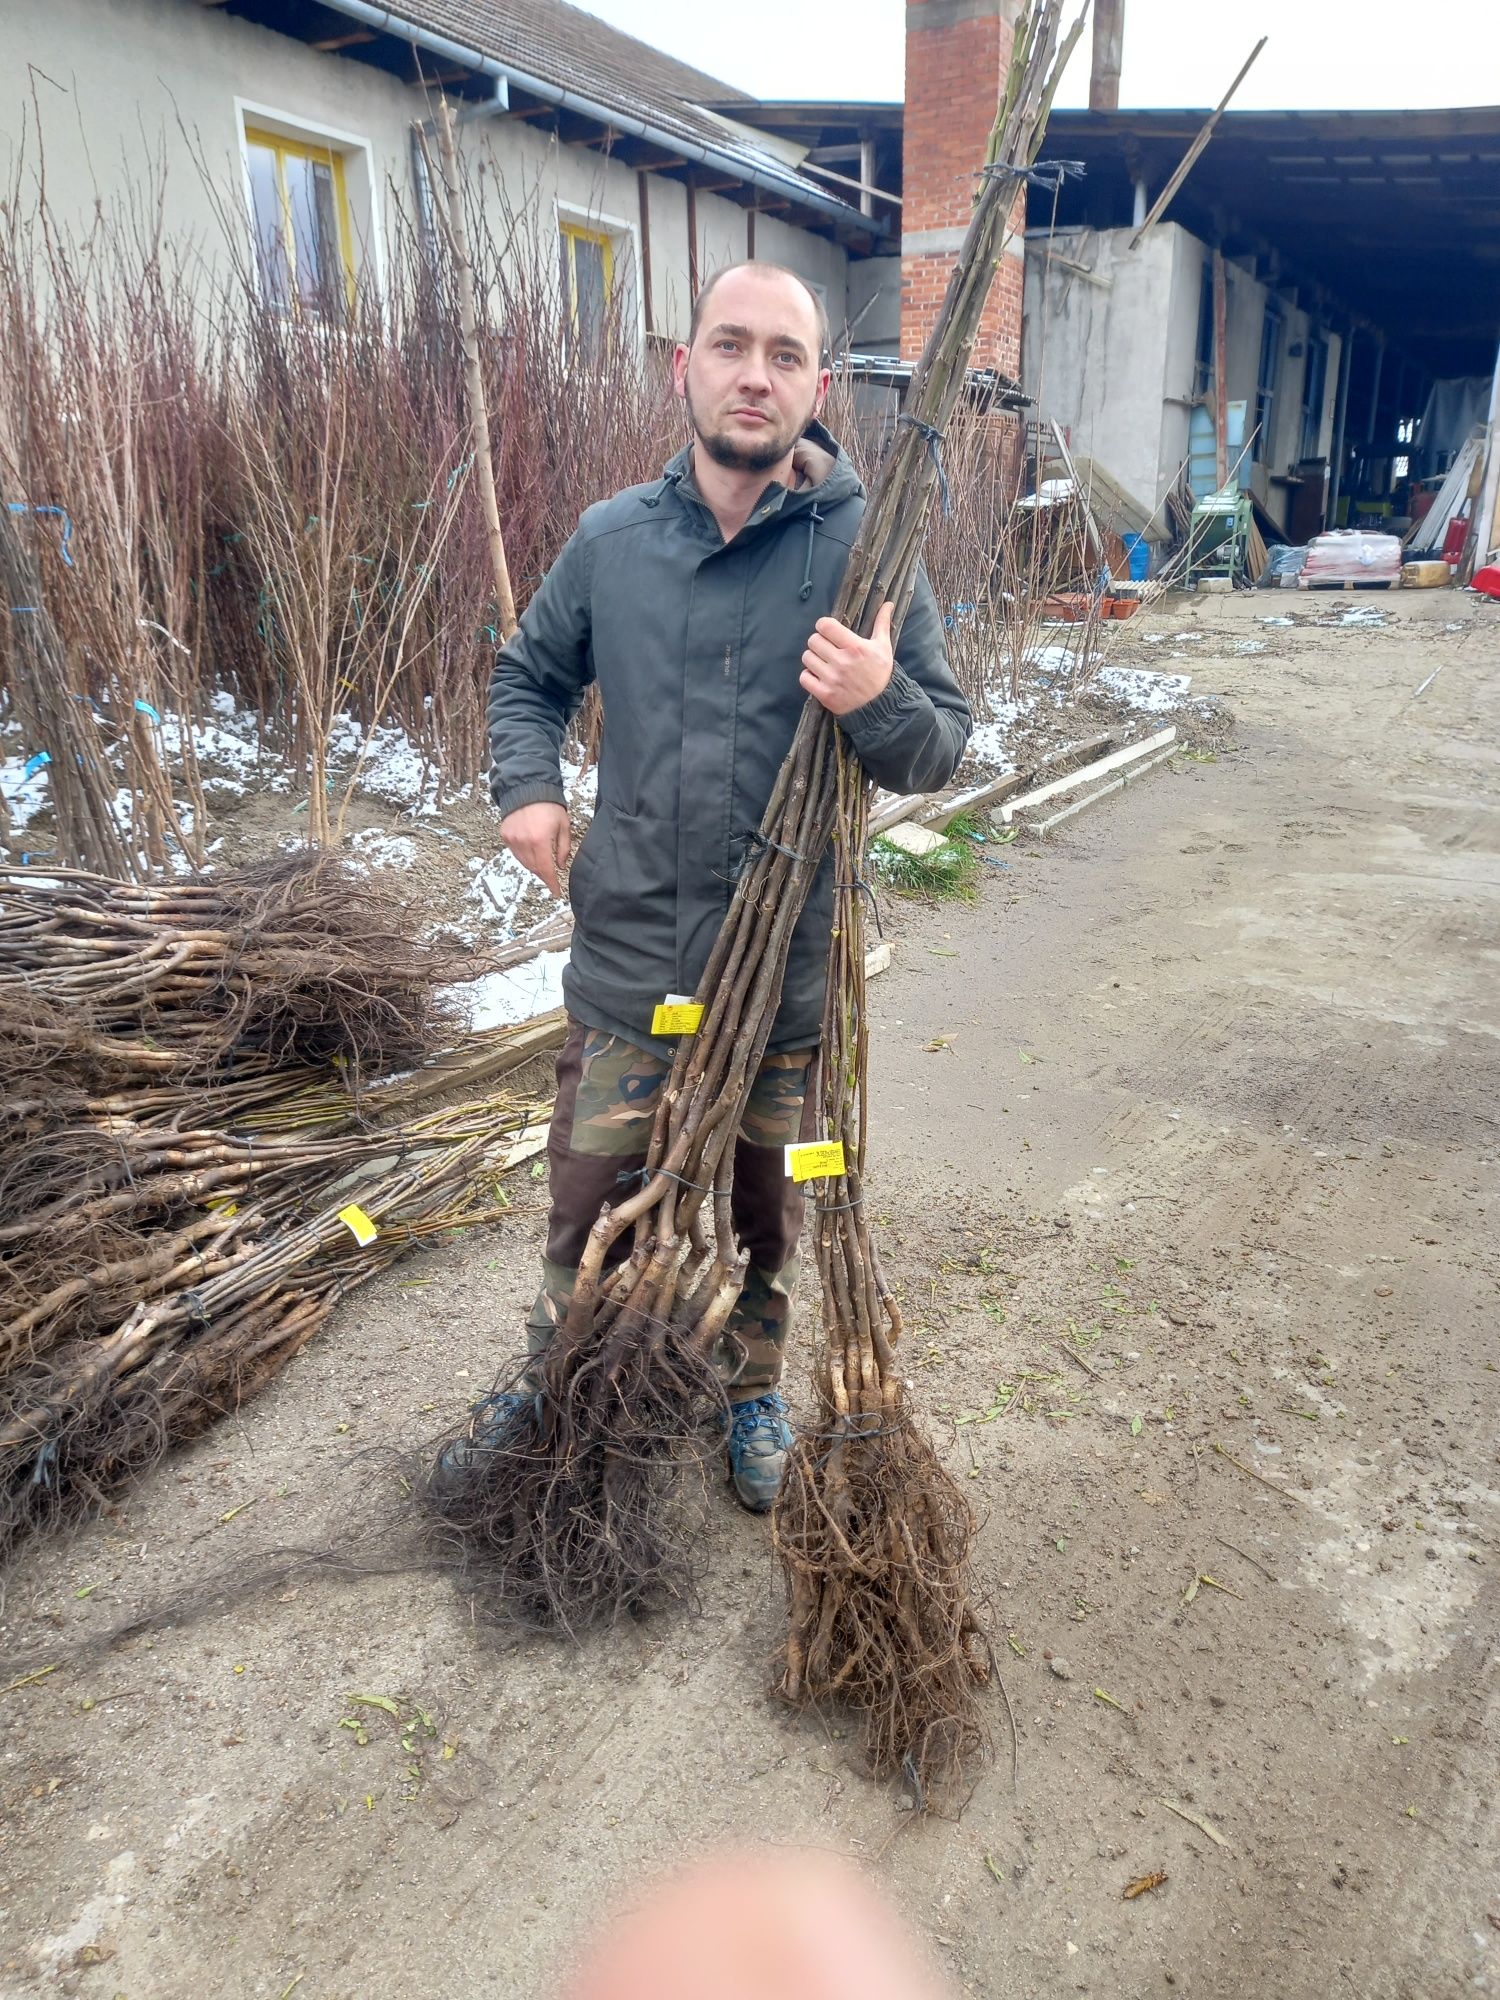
[957, 56]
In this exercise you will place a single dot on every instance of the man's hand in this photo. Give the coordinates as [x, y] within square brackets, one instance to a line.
[541, 840]
[843, 671]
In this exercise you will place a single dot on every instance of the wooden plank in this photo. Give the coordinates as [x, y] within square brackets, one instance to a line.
[1091, 530]
[939, 808]
[1100, 769]
[1117, 784]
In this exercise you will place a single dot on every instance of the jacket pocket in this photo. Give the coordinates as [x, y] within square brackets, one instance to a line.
[584, 873]
[624, 892]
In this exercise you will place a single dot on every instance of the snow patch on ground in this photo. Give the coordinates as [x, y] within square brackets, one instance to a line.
[384, 850]
[499, 999]
[390, 766]
[225, 742]
[1146, 692]
[990, 743]
[496, 891]
[24, 784]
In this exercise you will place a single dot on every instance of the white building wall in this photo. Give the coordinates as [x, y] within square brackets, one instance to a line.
[131, 96]
[1111, 340]
[1095, 346]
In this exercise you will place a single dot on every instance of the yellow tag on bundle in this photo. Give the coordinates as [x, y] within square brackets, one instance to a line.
[222, 1205]
[815, 1160]
[359, 1225]
[677, 1016]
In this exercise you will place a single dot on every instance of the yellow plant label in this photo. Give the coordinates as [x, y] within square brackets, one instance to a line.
[359, 1225]
[220, 1205]
[815, 1160]
[676, 1017]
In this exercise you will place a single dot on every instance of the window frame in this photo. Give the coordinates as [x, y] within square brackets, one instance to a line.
[361, 254]
[1268, 379]
[571, 218]
[1314, 390]
[571, 233]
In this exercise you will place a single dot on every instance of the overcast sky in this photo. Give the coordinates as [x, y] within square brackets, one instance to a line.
[1330, 54]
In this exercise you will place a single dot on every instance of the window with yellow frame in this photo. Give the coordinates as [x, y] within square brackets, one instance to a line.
[588, 277]
[304, 245]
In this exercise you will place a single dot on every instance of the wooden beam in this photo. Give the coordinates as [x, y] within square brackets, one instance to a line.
[330, 43]
[1100, 769]
[863, 189]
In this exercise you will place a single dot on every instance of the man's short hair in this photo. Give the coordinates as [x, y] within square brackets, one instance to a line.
[771, 271]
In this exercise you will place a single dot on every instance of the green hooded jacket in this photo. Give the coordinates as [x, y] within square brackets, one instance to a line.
[696, 645]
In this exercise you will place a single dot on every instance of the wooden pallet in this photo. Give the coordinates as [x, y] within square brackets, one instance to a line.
[1370, 583]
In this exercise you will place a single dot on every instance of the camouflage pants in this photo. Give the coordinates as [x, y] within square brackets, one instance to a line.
[607, 1095]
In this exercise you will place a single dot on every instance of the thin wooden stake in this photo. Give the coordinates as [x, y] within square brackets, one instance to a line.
[479, 413]
[1185, 166]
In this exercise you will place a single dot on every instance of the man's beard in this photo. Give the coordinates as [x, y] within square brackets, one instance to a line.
[735, 456]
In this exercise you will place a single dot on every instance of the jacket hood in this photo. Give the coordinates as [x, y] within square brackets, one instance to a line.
[827, 476]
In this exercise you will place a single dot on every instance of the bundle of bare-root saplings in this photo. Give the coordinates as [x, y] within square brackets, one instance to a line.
[574, 1514]
[223, 1104]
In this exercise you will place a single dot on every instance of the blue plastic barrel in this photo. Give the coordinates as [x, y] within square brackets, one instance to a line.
[1138, 554]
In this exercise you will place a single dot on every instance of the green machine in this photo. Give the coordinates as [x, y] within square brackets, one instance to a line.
[1219, 536]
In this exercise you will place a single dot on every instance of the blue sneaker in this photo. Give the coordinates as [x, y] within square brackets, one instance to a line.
[490, 1421]
[759, 1439]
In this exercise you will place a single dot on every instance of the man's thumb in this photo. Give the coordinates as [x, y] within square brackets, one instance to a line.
[883, 618]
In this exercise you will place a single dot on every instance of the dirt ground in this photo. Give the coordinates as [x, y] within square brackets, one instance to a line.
[1185, 1137]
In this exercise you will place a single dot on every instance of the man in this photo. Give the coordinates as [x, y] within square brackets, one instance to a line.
[692, 602]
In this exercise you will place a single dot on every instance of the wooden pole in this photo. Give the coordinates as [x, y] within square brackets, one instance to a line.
[479, 412]
[1188, 158]
[1221, 374]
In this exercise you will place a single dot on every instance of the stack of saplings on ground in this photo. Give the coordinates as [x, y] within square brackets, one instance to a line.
[223, 1103]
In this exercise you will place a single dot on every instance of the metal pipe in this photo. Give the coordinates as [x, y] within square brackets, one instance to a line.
[392, 23]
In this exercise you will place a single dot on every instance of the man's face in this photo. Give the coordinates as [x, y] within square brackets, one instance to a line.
[751, 379]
